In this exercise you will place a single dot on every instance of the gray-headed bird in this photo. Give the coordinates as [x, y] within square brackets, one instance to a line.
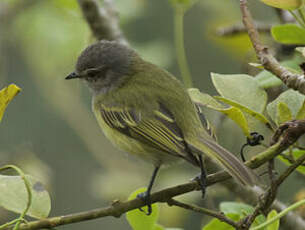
[144, 110]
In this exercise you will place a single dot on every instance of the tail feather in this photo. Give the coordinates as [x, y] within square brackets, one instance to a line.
[231, 163]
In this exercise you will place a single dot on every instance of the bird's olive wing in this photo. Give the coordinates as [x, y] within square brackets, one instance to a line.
[158, 130]
[205, 123]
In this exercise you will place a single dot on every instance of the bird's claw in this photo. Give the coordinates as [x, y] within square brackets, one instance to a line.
[202, 183]
[145, 197]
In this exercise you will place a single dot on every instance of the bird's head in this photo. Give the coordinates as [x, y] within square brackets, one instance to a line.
[103, 65]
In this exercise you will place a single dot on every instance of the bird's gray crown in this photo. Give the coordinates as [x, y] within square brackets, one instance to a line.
[105, 65]
[108, 54]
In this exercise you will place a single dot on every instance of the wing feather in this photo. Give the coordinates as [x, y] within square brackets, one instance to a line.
[158, 130]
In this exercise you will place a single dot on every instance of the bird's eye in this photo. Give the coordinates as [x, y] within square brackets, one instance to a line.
[92, 73]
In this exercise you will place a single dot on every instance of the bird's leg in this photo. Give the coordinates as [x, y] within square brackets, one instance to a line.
[202, 177]
[145, 196]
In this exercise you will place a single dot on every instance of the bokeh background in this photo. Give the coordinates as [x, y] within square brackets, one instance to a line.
[49, 130]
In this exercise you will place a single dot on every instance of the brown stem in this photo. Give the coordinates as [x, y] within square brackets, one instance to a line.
[240, 29]
[208, 212]
[103, 21]
[292, 80]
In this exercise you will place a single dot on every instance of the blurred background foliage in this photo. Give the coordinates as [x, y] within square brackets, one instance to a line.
[49, 130]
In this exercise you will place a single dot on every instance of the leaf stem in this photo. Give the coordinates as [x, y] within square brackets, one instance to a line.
[302, 14]
[10, 223]
[281, 214]
[179, 45]
[29, 191]
[297, 18]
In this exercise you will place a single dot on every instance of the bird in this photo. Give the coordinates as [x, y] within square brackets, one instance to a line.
[145, 111]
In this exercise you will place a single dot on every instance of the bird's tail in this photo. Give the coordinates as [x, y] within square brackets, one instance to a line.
[231, 163]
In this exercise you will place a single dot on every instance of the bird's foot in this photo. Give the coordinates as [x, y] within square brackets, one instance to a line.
[201, 180]
[145, 197]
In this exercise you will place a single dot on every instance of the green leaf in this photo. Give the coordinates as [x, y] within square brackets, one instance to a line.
[241, 88]
[288, 34]
[139, 220]
[242, 210]
[252, 113]
[292, 99]
[204, 99]
[14, 197]
[238, 117]
[283, 113]
[216, 224]
[284, 4]
[158, 227]
[296, 153]
[276, 224]
[266, 80]
[301, 112]
[232, 112]
[6, 95]
[69, 5]
[236, 208]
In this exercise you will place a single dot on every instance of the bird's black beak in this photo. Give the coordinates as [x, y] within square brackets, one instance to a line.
[72, 75]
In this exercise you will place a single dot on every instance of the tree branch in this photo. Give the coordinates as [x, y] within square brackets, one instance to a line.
[240, 29]
[290, 221]
[103, 21]
[292, 80]
[269, 196]
[220, 216]
[118, 208]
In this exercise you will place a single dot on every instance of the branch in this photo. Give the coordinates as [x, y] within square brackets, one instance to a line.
[292, 80]
[118, 208]
[240, 29]
[290, 221]
[269, 196]
[288, 132]
[194, 208]
[103, 22]
[289, 170]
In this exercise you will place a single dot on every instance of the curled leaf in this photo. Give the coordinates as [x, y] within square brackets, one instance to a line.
[6, 95]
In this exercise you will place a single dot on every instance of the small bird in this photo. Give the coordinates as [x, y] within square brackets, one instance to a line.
[144, 110]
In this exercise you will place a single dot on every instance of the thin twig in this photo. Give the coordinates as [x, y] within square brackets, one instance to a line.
[290, 131]
[292, 80]
[249, 195]
[208, 212]
[103, 21]
[290, 169]
[240, 29]
[290, 159]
